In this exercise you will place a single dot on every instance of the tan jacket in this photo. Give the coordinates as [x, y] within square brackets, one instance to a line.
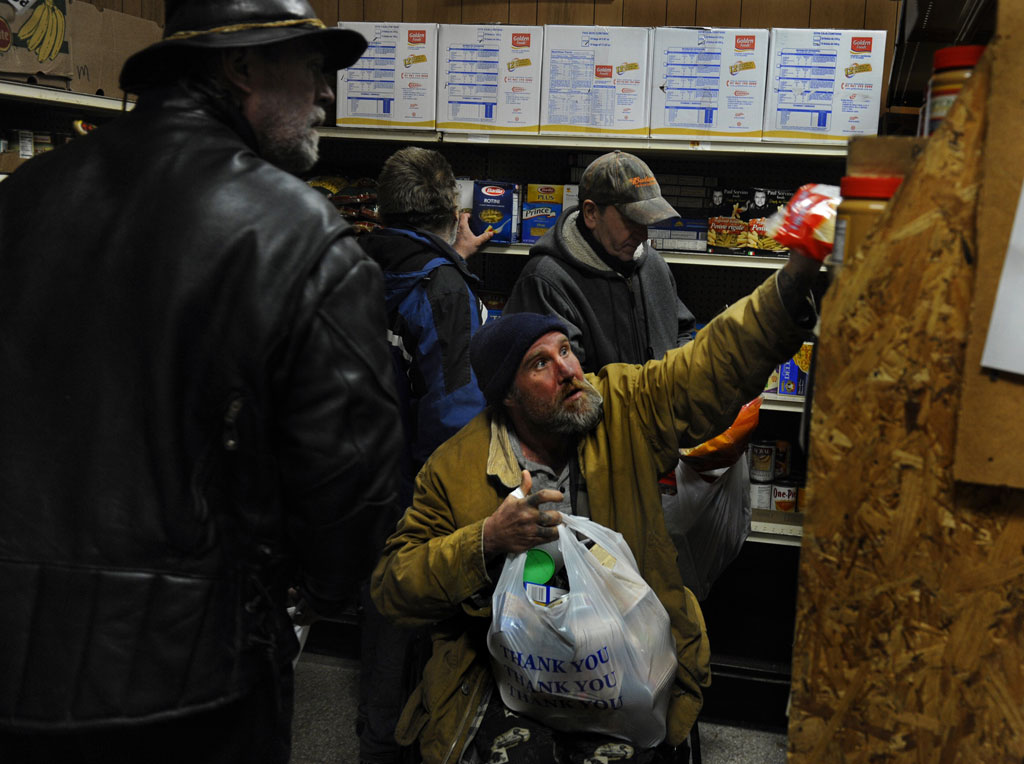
[434, 563]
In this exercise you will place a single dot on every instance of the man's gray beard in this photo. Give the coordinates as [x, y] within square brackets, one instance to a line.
[582, 420]
[292, 150]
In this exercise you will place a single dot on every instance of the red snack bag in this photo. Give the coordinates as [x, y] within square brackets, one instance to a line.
[807, 224]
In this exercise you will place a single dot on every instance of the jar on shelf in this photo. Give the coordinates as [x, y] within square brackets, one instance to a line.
[864, 199]
[951, 68]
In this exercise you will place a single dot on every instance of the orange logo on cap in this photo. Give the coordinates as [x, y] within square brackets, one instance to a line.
[644, 181]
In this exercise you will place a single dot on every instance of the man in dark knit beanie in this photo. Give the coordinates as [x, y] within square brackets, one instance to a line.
[554, 440]
[497, 349]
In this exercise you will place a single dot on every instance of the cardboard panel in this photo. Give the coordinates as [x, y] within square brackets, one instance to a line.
[763, 14]
[992, 407]
[560, 12]
[718, 13]
[645, 13]
[35, 42]
[103, 40]
[682, 13]
[836, 14]
[522, 12]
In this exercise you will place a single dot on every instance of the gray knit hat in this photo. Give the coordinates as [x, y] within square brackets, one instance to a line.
[497, 349]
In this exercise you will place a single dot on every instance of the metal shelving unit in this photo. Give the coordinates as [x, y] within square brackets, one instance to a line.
[677, 258]
[57, 97]
[583, 142]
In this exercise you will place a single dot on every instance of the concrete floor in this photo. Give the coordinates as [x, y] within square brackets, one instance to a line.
[324, 727]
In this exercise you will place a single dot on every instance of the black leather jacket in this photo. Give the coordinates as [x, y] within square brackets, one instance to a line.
[196, 406]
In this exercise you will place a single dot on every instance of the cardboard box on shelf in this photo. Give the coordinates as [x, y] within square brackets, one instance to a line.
[596, 81]
[496, 207]
[35, 40]
[394, 83]
[488, 78]
[824, 85]
[708, 83]
[542, 205]
[103, 41]
[793, 373]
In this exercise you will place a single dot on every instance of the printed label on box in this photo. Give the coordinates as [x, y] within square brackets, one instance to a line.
[489, 78]
[393, 84]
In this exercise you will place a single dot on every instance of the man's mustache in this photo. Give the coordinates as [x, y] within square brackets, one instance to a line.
[573, 385]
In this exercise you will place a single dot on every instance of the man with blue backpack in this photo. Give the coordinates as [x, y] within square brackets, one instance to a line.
[433, 312]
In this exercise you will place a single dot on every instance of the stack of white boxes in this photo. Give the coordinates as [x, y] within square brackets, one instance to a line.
[688, 83]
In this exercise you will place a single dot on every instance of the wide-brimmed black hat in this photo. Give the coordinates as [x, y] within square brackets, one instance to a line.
[234, 24]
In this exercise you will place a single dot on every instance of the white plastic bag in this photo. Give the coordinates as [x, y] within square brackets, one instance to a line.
[600, 659]
[708, 522]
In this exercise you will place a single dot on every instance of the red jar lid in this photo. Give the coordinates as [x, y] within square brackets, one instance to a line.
[957, 57]
[869, 186]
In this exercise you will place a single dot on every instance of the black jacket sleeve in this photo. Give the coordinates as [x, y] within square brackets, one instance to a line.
[340, 429]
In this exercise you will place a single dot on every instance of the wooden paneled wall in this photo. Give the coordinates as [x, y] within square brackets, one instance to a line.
[843, 14]
[838, 14]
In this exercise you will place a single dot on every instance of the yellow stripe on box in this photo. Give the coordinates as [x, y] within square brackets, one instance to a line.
[429, 124]
[487, 128]
[594, 130]
[808, 136]
[675, 131]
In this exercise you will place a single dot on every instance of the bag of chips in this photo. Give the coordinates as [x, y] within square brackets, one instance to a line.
[807, 224]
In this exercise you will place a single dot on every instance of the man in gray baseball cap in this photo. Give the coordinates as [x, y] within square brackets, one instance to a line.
[597, 271]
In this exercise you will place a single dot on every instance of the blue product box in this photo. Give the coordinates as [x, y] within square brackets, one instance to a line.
[495, 206]
[793, 373]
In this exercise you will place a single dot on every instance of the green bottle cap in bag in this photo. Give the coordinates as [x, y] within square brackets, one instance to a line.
[539, 567]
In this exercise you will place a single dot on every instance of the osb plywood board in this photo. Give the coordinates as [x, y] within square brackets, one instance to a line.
[988, 447]
[909, 641]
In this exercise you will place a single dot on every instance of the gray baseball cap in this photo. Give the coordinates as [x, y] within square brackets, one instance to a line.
[627, 182]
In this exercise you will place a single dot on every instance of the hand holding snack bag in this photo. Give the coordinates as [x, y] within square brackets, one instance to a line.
[807, 224]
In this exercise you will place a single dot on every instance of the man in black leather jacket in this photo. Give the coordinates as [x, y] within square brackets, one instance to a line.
[196, 403]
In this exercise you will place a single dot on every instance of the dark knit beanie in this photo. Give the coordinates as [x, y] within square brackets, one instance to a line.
[499, 345]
